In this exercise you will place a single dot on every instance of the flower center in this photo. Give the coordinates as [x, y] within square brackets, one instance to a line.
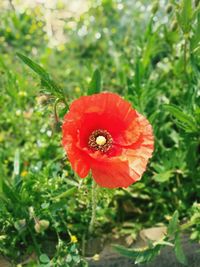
[100, 140]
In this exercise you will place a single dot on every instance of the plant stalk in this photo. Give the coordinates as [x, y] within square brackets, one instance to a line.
[94, 206]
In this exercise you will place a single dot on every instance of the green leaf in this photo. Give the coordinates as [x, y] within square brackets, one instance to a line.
[95, 84]
[185, 16]
[76, 259]
[34, 66]
[67, 193]
[179, 251]
[173, 224]
[9, 193]
[69, 258]
[73, 248]
[130, 253]
[163, 176]
[195, 39]
[44, 258]
[181, 116]
[138, 74]
[45, 77]
[140, 255]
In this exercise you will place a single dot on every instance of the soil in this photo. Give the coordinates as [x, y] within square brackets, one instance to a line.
[109, 258]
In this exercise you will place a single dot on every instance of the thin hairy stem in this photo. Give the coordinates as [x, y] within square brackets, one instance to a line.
[94, 206]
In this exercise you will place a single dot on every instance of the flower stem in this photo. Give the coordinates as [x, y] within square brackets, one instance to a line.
[94, 206]
[185, 56]
[58, 100]
[55, 109]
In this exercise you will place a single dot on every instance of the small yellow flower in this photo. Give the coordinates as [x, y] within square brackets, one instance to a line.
[24, 173]
[40, 24]
[61, 47]
[38, 10]
[77, 89]
[22, 93]
[2, 237]
[74, 239]
[33, 28]
[96, 257]
[66, 173]
[8, 29]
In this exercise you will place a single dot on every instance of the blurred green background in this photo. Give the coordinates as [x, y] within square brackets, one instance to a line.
[148, 52]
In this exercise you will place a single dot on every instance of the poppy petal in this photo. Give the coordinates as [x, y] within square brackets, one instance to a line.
[139, 153]
[131, 133]
[76, 157]
[113, 174]
[108, 111]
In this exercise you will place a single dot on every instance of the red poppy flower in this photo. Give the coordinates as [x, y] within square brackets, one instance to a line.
[103, 134]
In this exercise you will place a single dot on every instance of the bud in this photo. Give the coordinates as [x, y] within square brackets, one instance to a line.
[42, 99]
[20, 224]
[196, 3]
[96, 257]
[31, 212]
[41, 226]
[174, 25]
[155, 7]
[169, 8]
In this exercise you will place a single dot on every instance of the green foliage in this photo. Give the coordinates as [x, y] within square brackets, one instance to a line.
[22, 29]
[163, 176]
[95, 84]
[187, 121]
[147, 254]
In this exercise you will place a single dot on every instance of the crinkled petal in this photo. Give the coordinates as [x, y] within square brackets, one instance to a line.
[139, 153]
[113, 174]
[132, 137]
